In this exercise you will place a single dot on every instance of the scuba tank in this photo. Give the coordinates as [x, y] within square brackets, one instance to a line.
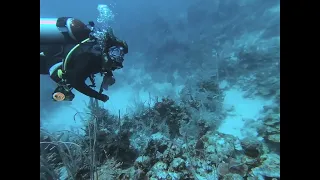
[63, 30]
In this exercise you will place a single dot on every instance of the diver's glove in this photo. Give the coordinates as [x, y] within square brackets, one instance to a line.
[107, 81]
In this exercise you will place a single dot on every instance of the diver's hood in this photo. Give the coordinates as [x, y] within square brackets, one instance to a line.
[111, 40]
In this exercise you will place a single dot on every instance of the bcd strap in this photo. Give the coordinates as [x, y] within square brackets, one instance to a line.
[65, 62]
[62, 71]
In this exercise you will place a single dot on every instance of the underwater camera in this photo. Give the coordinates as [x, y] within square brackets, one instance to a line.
[62, 94]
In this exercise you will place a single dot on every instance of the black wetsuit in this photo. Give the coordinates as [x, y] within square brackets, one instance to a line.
[79, 68]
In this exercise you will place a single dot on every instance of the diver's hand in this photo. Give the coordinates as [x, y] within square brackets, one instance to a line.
[104, 98]
[112, 81]
[107, 81]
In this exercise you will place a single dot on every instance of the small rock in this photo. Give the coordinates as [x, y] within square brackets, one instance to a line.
[251, 146]
[272, 119]
[210, 149]
[274, 138]
[160, 166]
[142, 161]
[232, 177]
[271, 130]
[178, 164]
[223, 169]
[229, 107]
[269, 168]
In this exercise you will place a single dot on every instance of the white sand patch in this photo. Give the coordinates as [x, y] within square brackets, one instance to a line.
[243, 109]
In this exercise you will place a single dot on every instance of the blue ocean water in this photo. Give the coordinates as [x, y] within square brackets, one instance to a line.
[198, 96]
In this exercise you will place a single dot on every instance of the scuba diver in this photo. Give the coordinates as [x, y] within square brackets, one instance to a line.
[71, 52]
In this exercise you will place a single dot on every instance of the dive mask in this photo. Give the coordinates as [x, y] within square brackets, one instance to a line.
[116, 54]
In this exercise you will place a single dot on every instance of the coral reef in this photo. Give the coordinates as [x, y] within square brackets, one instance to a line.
[165, 116]
[104, 146]
[271, 121]
[203, 103]
[134, 147]
[255, 71]
[269, 168]
[170, 139]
